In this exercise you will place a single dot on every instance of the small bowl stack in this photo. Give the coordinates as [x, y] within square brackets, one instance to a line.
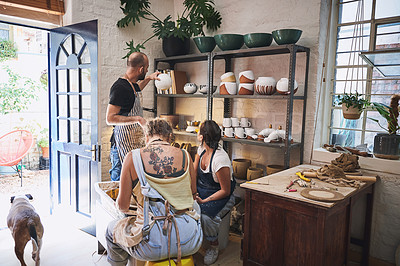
[246, 85]
[228, 84]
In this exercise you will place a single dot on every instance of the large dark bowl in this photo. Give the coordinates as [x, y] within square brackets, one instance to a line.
[229, 41]
[257, 39]
[286, 36]
[205, 44]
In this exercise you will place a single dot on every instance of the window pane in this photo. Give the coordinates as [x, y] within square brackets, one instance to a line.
[347, 86]
[86, 106]
[85, 57]
[62, 58]
[359, 44]
[347, 31]
[372, 125]
[86, 85]
[62, 105]
[74, 133]
[342, 59]
[86, 133]
[351, 138]
[369, 139]
[78, 43]
[62, 80]
[388, 41]
[73, 80]
[387, 8]
[62, 130]
[68, 45]
[74, 106]
[339, 121]
[348, 11]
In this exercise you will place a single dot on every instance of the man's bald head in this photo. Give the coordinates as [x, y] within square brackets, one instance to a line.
[136, 59]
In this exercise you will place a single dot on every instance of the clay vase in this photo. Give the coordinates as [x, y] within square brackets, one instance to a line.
[265, 85]
[240, 167]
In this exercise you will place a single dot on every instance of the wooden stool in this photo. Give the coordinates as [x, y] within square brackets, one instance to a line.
[185, 261]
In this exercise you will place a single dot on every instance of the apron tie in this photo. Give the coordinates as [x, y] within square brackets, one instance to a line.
[169, 219]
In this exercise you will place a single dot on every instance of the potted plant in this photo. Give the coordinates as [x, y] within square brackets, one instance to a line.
[387, 145]
[175, 34]
[352, 105]
[43, 142]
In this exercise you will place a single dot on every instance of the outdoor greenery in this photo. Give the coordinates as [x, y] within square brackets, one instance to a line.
[17, 92]
[7, 50]
[43, 138]
[353, 99]
[196, 15]
[390, 113]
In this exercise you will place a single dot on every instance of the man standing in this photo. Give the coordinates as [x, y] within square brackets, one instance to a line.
[124, 111]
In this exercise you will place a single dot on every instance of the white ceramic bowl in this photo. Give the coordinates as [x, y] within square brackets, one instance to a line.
[246, 76]
[265, 85]
[228, 77]
[228, 88]
[164, 83]
[190, 88]
[246, 89]
[203, 89]
[282, 86]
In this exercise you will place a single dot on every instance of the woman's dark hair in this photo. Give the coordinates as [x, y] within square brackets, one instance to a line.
[160, 127]
[211, 133]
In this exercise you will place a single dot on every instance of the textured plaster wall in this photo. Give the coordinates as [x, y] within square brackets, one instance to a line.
[111, 50]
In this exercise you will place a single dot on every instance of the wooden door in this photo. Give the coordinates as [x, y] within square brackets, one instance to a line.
[75, 152]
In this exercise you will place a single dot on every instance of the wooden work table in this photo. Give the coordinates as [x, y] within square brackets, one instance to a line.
[284, 228]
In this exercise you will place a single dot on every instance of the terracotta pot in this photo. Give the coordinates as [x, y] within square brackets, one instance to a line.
[45, 152]
[351, 113]
[240, 167]
[254, 173]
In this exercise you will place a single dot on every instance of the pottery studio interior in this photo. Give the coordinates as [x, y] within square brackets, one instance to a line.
[305, 95]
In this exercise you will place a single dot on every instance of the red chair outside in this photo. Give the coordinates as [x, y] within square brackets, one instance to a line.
[13, 147]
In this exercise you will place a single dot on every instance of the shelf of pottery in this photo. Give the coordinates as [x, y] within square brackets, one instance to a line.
[237, 127]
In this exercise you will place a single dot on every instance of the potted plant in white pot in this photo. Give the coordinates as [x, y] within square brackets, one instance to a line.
[387, 145]
[352, 105]
[175, 34]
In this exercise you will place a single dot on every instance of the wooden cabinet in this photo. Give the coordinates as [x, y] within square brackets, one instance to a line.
[287, 229]
[229, 100]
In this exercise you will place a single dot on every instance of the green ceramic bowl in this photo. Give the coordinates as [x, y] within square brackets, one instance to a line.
[205, 44]
[257, 39]
[286, 36]
[229, 41]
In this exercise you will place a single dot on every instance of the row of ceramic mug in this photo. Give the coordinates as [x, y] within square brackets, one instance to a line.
[239, 132]
[235, 122]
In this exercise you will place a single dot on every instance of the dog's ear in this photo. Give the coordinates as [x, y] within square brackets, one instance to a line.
[29, 196]
[12, 199]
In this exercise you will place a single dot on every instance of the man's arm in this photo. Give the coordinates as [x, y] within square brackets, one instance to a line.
[143, 83]
[113, 118]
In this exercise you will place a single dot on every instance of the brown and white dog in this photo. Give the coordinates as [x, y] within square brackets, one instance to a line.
[25, 224]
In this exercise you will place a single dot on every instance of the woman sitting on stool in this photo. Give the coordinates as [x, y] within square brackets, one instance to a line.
[168, 184]
[215, 184]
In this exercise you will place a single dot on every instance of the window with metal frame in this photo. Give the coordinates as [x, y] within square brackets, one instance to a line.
[380, 29]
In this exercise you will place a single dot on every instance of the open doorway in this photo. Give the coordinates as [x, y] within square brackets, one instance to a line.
[24, 105]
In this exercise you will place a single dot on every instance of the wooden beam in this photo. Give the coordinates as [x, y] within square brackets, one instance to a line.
[53, 7]
[29, 14]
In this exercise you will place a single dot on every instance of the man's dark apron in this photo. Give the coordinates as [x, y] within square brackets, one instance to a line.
[130, 137]
[206, 186]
